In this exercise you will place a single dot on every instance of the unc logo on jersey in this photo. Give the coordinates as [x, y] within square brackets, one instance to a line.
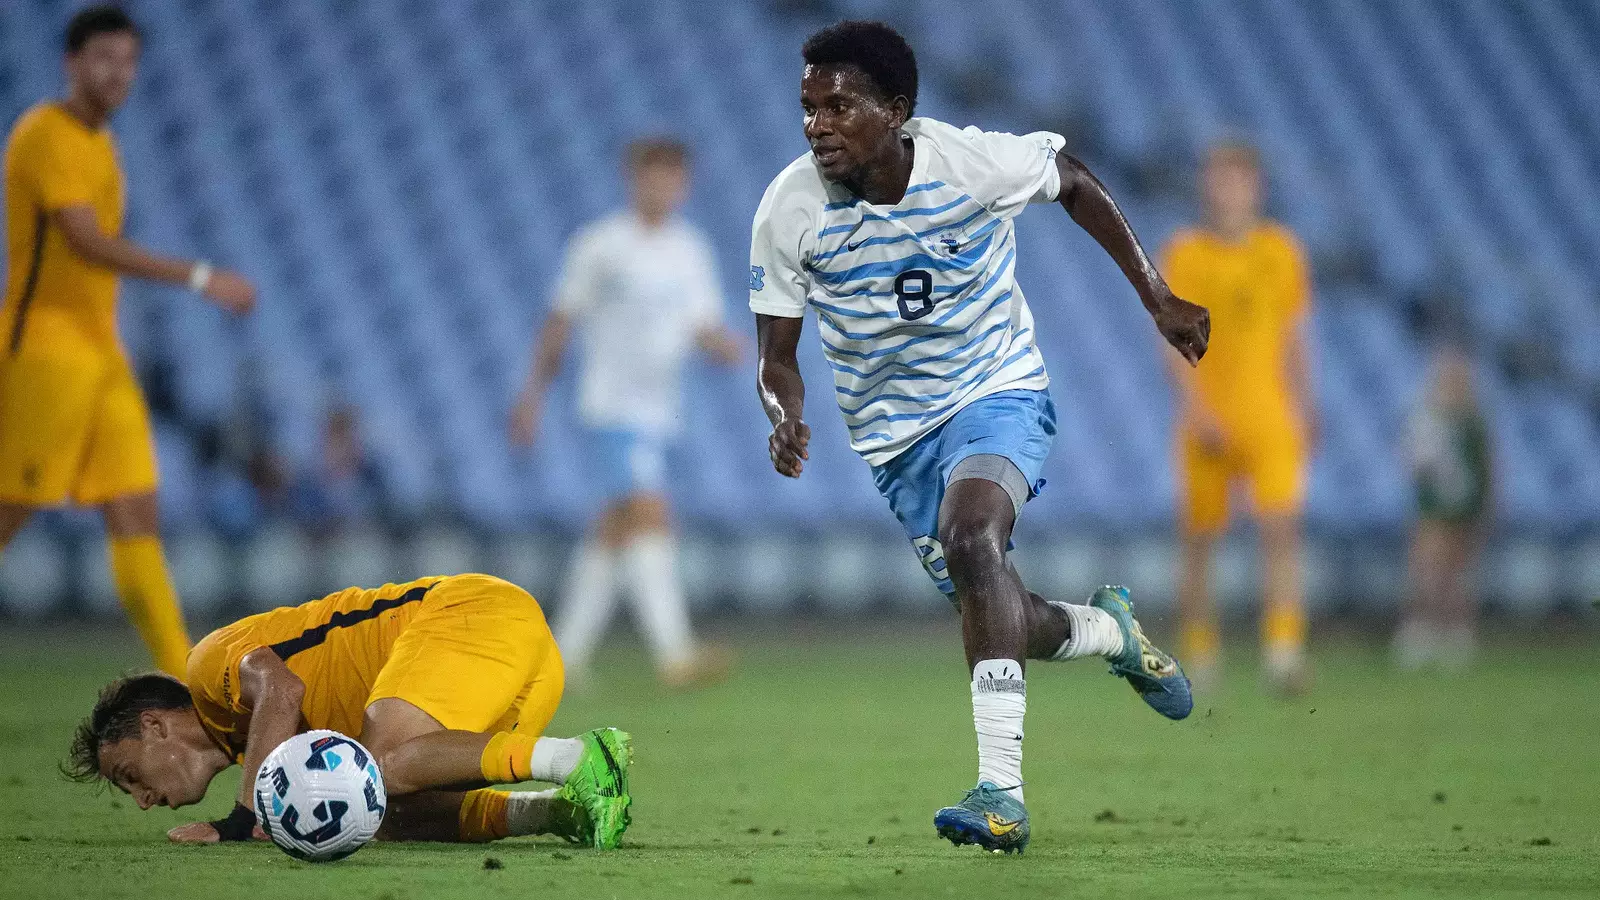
[931, 552]
[758, 278]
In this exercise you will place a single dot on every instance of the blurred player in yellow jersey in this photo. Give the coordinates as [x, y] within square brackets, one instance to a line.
[73, 423]
[1246, 414]
[450, 683]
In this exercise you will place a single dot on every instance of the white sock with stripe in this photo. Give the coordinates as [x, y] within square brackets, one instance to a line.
[999, 702]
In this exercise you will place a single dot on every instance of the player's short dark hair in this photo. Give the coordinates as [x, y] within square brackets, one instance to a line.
[880, 52]
[116, 717]
[657, 151]
[106, 18]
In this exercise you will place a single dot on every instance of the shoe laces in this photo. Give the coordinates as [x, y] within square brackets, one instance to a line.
[993, 790]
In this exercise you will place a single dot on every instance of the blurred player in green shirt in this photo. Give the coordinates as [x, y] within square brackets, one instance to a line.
[1449, 450]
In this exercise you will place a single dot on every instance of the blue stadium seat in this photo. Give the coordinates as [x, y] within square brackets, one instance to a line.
[400, 179]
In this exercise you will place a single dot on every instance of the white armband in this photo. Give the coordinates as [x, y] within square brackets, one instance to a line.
[200, 276]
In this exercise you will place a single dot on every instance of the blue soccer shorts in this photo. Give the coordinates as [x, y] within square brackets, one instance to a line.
[624, 462]
[1017, 425]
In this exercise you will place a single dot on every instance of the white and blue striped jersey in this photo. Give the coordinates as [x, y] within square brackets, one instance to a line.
[917, 303]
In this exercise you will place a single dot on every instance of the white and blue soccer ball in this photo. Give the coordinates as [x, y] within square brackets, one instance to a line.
[319, 796]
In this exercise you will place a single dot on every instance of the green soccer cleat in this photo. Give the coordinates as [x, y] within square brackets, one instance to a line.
[599, 783]
[987, 816]
[1154, 675]
[569, 819]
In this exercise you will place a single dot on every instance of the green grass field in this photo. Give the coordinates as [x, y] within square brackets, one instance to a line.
[815, 773]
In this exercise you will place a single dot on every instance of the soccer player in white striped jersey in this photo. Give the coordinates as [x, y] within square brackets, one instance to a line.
[898, 232]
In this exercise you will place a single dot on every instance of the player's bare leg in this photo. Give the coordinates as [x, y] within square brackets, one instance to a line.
[1416, 642]
[1458, 599]
[1201, 641]
[1283, 615]
[139, 568]
[483, 815]
[416, 753]
[975, 522]
[424, 816]
[1003, 624]
[420, 756]
[12, 517]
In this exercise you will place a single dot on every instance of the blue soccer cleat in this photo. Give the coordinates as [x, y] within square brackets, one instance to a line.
[987, 816]
[1155, 676]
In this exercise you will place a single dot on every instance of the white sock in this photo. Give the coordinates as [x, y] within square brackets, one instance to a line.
[554, 759]
[586, 603]
[652, 567]
[999, 701]
[1090, 632]
[528, 812]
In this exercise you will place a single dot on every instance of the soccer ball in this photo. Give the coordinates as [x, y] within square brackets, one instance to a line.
[319, 796]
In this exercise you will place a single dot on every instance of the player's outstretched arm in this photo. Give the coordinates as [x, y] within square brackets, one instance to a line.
[551, 346]
[228, 290]
[272, 693]
[782, 392]
[721, 344]
[1186, 326]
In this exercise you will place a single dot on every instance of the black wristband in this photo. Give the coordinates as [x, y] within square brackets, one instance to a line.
[239, 825]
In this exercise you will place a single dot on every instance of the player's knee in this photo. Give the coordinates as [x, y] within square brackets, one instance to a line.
[1197, 543]
[973, 541]
[1280, 532]
[133, 516]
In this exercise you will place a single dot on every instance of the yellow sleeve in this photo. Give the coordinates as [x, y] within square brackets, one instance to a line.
[213, 674]
[1297, 296]
[61, 166]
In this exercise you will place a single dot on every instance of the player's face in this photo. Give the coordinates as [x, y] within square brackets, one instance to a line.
[658, 188]
[1232, 188]
[1453, 388]
[103, 68]
[156, 769]
[847, 121]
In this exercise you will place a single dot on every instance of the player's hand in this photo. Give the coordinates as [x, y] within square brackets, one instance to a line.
[232, 292]
[1311, 429]
[1208, 432]
[1185, 325]
[525, 421]
[723, 346]
[787, 447]
[205, 833]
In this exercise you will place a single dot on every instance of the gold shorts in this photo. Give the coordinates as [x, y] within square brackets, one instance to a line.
[72, 428]
[477, 657]
[1271, 466]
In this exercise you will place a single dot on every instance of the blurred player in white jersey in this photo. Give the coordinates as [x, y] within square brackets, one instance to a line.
[897, 232]
[640, 287]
